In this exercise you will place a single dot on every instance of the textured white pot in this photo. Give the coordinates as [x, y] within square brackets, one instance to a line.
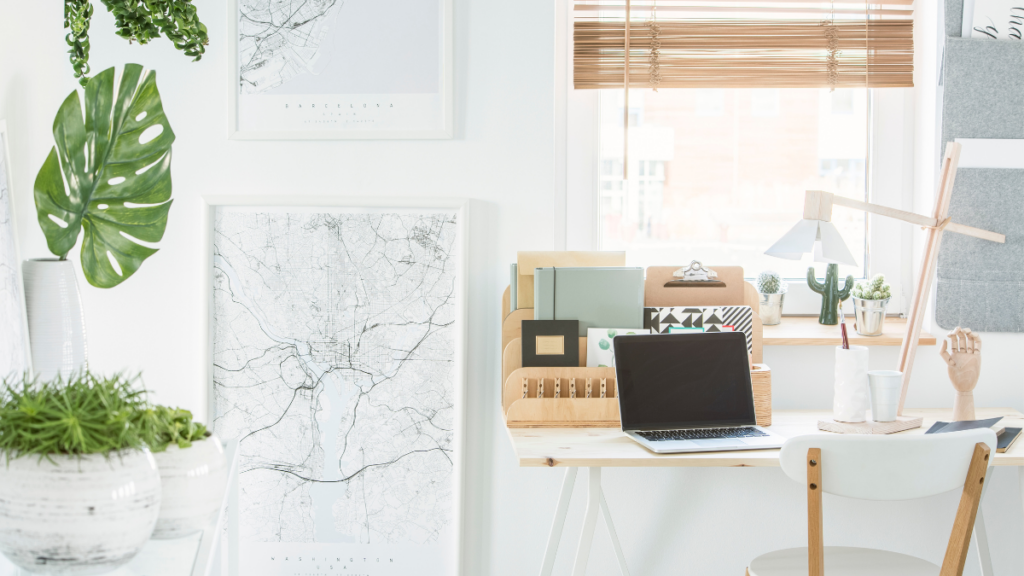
[77, 516]
[56, 325]
[193, 481]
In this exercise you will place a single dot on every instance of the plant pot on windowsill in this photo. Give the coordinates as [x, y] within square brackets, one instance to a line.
[771, 290]
[869, 301]
[869, 316]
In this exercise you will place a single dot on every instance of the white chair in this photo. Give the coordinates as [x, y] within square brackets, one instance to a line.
[881, 468]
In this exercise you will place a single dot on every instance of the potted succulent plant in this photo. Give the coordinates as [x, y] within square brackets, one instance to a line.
[772, 289]
[79, 490]
[193, 471]
[869, 302]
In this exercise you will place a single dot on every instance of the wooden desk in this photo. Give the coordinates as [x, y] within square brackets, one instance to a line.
[609, 447]
[597, 448]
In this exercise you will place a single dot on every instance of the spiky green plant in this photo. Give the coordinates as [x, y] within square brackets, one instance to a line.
[162, 426]
[769, 282]
[875, 289]
[81, 414]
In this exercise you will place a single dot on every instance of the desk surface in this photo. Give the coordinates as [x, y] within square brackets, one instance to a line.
[609, 447]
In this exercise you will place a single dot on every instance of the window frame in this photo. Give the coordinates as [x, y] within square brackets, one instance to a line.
[889, 180]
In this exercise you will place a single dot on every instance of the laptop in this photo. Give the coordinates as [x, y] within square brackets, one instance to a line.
[688, 393]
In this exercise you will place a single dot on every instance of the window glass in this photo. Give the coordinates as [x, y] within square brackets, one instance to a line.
[720, 175]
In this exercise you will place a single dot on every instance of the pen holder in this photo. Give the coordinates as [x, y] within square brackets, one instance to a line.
[851, 394]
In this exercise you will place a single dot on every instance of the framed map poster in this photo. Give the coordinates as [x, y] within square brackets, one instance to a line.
[337, 362]
[14, 344]
[340, 69]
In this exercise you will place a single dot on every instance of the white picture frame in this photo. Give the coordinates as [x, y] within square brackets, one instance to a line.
[437, 124]
[460, 207]
[13, 312]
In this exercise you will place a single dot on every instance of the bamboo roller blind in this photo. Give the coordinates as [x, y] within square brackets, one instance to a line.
[772, 44]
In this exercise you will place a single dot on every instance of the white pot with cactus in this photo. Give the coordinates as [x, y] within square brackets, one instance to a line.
[772, 289]
[869, 301]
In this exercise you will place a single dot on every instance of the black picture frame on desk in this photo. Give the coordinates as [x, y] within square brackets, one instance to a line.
[551, 343]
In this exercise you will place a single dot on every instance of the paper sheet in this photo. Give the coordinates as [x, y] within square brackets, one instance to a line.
[995, 19]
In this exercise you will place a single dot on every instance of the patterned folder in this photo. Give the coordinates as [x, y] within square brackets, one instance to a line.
[675, 319]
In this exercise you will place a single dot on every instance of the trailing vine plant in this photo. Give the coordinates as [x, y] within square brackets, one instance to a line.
[136, 21]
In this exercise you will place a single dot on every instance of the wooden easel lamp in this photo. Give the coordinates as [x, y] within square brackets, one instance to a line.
[816, 234]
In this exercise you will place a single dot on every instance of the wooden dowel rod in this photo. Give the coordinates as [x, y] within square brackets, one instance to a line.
[918, 219]
[908, 350]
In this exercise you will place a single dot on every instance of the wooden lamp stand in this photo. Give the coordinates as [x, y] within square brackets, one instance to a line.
[818, 206]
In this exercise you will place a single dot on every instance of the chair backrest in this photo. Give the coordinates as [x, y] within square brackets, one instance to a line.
[902, 467]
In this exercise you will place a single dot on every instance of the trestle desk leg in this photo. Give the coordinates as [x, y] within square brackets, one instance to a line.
[556, 526]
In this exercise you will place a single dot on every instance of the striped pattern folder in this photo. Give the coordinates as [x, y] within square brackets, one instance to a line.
[674, 319]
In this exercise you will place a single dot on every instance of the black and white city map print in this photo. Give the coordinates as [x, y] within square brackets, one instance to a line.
[335, 337]
[340, 66]
[14, 356]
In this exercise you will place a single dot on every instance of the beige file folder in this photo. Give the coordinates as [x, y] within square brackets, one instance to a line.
[528, 261]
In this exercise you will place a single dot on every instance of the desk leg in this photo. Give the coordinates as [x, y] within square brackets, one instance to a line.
[589, 523]
[615, 537]
[559, 522]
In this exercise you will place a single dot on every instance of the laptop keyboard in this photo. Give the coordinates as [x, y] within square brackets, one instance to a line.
[702, 434]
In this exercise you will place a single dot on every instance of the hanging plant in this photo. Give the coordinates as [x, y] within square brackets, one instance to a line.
[136, 21]
[109, 175]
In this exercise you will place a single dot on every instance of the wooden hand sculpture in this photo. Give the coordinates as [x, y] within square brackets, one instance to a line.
[964, 368]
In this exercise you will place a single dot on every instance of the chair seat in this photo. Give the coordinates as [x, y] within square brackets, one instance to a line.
[842, 561]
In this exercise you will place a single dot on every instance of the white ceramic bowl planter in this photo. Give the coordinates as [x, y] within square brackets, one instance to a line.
[193, 480]
[77, 515]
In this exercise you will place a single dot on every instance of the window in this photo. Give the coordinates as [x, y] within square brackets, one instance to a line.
[717, 171]
[723, 187]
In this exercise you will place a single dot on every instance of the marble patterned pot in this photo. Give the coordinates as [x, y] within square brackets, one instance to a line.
[77, 515]
[193, 481]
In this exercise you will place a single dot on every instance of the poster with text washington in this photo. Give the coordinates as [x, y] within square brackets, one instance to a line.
[335, 367]
[311, 69]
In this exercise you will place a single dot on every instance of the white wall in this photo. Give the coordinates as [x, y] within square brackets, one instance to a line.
[707, 522]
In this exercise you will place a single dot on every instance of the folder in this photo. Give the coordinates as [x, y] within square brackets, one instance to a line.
[529, 261]
[597, 297]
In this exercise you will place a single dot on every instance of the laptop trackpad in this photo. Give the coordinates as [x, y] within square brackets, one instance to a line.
[714, 443]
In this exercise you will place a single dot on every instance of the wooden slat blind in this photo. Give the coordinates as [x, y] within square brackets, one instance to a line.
[874, 51]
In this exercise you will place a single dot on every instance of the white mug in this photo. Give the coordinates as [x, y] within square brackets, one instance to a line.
[886, 386]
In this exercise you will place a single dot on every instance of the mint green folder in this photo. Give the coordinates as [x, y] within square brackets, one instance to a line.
[609, 297]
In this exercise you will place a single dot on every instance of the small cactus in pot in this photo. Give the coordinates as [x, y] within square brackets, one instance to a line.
[869, 301]
[772, 289]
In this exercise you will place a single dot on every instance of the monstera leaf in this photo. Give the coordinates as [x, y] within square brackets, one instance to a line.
[108, 175]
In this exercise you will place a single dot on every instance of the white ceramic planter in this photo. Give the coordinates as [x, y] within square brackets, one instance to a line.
[77, 516]
[56, 325]
[193, 481]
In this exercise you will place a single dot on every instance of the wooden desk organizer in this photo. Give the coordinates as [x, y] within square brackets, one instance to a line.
[523, 409]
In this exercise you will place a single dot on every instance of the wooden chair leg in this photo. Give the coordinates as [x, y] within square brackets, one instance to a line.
[815, 535]
[966, 513]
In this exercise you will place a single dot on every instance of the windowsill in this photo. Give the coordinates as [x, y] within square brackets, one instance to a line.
[805, 331]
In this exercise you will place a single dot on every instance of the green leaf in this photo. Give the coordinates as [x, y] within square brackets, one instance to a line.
[102, 178]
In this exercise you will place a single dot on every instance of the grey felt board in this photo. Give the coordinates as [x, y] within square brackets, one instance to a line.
[954, 15]
[980, 284]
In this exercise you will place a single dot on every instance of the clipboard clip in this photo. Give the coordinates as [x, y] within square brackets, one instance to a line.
[695, 275]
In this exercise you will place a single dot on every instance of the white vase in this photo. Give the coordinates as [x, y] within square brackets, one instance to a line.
[77, 516]
[193, 481]
[850, 403]
[56, 324]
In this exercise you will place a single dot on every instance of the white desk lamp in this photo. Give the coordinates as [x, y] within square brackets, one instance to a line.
[816, 235]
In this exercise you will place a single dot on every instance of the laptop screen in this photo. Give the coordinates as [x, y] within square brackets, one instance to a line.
[668, 381]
